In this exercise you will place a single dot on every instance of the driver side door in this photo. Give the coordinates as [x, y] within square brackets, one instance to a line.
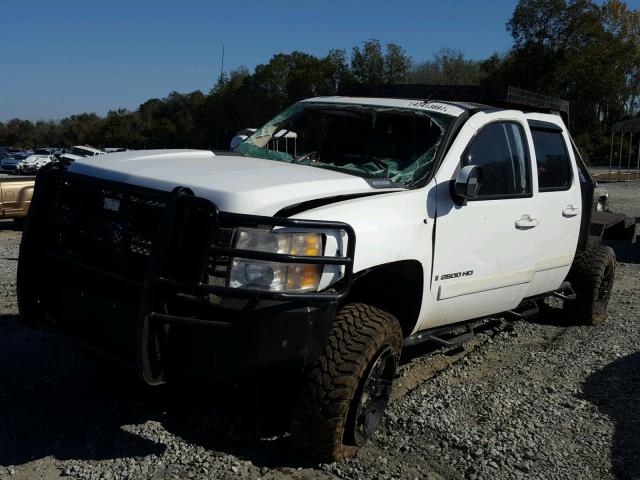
[484, 247]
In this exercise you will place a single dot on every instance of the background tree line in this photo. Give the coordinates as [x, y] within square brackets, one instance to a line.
[585, 52]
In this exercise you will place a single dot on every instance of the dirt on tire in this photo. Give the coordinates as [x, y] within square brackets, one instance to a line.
[330, 385]
[592, 271]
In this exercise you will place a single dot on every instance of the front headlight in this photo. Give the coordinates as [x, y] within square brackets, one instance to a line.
[276, 276]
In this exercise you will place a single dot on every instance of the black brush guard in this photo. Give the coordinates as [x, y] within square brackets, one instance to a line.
[149, 256]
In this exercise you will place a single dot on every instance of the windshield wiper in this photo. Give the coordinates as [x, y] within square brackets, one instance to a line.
[314, 160]
[376, 161]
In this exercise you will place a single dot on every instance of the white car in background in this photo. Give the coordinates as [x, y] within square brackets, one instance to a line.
[33, 163]
[11, 163]
[80, 151]
[115, 149]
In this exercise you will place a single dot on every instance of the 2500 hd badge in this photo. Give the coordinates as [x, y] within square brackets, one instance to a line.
[447, 276]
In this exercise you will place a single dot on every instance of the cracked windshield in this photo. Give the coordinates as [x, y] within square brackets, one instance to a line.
[372, 142]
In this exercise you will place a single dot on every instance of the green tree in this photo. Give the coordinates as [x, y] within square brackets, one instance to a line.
[339, 66]
[370, 65]
[396, 64]
[586, 52]
[367, 62]
[80, 129]
[20, 133]
[448, 67]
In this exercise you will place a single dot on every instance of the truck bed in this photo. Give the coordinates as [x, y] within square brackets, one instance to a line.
[612, 226]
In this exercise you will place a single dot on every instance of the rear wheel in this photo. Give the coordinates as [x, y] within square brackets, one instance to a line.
[345, 392]
[591, 276]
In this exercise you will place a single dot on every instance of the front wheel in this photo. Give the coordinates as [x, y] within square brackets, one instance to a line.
[345, 392]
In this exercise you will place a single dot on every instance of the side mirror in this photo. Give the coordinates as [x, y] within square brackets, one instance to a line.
[468, 182]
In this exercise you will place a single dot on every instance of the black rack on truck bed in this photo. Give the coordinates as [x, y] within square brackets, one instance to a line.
[499, 97]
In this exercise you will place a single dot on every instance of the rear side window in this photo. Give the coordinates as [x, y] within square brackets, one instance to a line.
[500, 149]
[552, 156]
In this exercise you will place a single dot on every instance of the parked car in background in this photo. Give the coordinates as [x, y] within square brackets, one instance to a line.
[15, 197]
[45, 151]
[80, 151]
[115, 149]
[12, 162]
[33, 163]
[6, 151]
[241, 136]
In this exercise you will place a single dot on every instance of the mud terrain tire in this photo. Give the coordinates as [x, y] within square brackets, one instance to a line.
[348, 386]
[591, 276]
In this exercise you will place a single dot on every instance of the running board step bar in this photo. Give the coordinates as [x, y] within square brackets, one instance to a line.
[434, 336]
[526, 310]
[452, 342]
[565, 292]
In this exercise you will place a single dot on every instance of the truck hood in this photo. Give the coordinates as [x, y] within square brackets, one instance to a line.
[234, 183]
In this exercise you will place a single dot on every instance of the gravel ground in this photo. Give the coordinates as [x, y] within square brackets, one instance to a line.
[623, 197]
[536, 399]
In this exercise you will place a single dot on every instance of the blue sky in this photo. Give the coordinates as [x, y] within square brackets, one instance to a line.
[63, 57]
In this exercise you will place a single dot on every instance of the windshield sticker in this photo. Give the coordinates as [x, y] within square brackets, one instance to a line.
[426, 105]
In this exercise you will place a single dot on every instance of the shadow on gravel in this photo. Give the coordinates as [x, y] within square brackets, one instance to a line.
[552, 316]
[9, 225]
[54, 404]
[615, 390]
[626, 252]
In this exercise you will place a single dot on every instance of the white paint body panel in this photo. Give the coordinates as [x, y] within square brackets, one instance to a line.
[508, 264]
[234, 183]
[556, 238]
[389, 228]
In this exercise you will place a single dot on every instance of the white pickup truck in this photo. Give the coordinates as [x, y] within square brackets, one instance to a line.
[396, 219]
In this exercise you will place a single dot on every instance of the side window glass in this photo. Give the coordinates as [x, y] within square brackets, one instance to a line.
[552, 158]
[500, 149]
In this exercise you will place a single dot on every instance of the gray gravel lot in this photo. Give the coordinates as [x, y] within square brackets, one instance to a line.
[537, 399]
[623, 197]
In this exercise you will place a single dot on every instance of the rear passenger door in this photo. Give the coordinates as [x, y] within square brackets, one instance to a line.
[484, 250]
[558, 204]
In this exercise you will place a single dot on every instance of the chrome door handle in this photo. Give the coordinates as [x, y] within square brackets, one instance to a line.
[570, 211]
[526, 222]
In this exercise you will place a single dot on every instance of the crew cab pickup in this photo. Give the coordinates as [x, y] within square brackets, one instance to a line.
[15, 197]
[396, 216]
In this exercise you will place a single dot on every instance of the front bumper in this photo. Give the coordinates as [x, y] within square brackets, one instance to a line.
[126, 271]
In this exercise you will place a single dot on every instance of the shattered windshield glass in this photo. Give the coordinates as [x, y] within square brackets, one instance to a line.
[397, 144]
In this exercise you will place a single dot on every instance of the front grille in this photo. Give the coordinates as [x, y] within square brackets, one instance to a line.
[103, 226]
[113, 230]
[218, 265]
